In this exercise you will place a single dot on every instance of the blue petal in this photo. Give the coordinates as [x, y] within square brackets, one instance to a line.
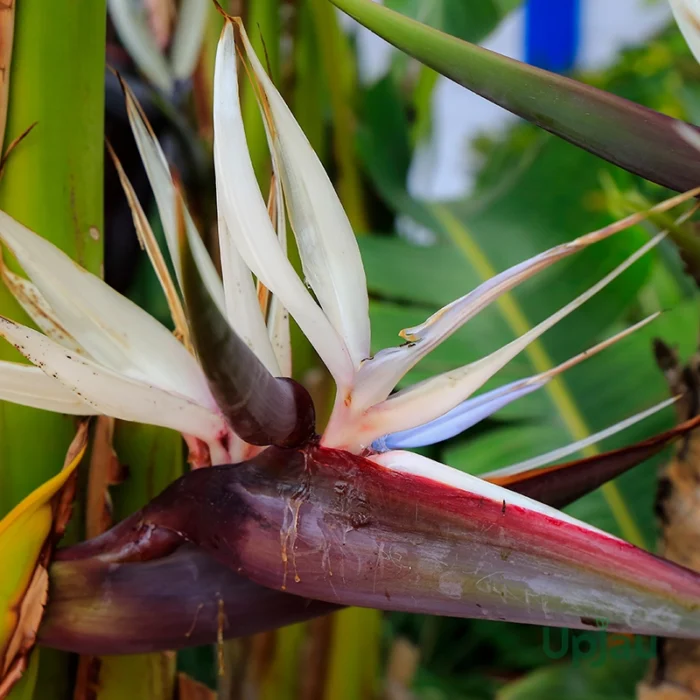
[459, 419]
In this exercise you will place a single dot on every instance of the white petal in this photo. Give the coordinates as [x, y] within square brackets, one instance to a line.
[111, 328]
[378, 376]
[278, 318]
[562, 452]
[29, 386]
[130, 21]
[278, 328]
[434, 397]
[248, 222]
[242, 308]
[111, 393]
[417, 465]
[687, 14]
[327, 245]
[189, 34]
[38, 309]
[165, 193]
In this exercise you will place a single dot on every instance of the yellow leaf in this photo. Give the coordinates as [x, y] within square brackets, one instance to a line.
[26, 538]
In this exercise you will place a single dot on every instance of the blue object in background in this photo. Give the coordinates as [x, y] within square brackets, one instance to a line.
[552, 33]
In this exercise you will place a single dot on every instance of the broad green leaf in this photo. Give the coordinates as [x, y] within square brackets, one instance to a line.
[150, 676]
[337, 66]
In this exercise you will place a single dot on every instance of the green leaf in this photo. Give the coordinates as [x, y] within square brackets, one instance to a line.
[470, 21]
[52, 183]
[636, 138]
[612, 679]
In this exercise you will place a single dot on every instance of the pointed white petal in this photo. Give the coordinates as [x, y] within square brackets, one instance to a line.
[189, 34]
[111, 393]
[278, 328]
[165, 193]
[417, 465]
[130, 21]
[327, 245]
[38, 309]
[150, 245]
[687, 14]
[562, 452]
[378, 376]
[29, 386]
[111, 328]
[277, 317]
[247, 219]
[242, 307]
[432, 398]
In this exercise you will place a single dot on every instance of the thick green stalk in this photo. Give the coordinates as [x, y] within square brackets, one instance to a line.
[53, 184]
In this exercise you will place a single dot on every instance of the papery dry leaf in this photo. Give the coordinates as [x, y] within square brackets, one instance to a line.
[44, 514]
[190, 689]
[161, 18]
[105, 471]
[7, 31]
[404, 659]
[675, 674]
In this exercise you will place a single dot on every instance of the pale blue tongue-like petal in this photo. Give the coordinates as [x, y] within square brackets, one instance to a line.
[459, 419]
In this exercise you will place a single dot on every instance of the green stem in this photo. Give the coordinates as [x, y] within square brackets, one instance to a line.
[53, 184]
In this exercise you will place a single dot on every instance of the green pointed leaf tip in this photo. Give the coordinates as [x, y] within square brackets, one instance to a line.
[636, 138]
